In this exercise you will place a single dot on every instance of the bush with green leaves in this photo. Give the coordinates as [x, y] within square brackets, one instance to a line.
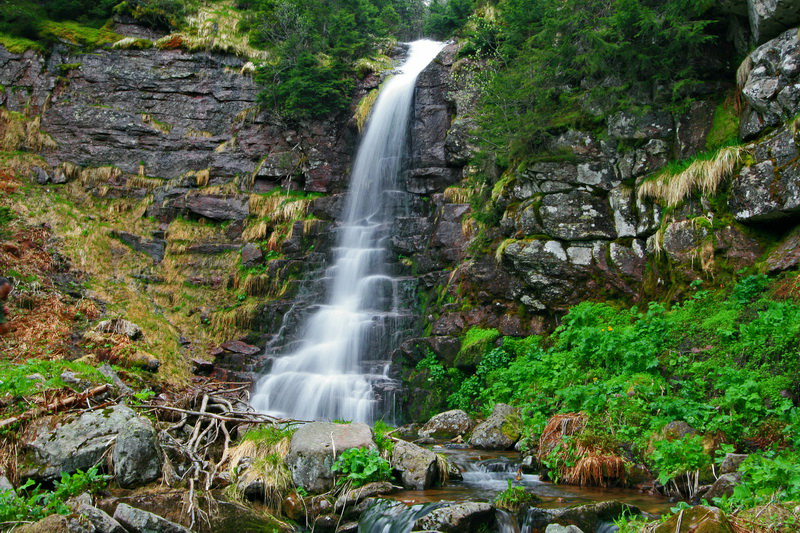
[31, 502]
[513, 498]
[774, 476]
[360, 466]
[680, 457]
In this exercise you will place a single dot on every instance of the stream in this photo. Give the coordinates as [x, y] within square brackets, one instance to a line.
[484, 475]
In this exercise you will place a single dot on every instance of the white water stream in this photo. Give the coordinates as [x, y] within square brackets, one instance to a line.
[324, 378]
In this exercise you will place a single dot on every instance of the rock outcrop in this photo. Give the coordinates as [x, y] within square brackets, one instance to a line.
[416, 465]
[448, 425]
[316, 446]
[500, 431]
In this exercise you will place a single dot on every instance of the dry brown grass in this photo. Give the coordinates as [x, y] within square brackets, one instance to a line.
[704, 176]
[744, 70]
[592, 466]
[458, 195]
[18, 131]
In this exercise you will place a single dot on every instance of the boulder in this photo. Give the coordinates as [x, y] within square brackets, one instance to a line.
[137, 456]
[584, 517]
[448, 425]
[732, 462]
[723, 486]
[699, 519]
[787, 255]
[772, 88]
[500, 431]
[416, 465]
[683, 240]
[466, 517]
[100, 520]
[577, 215]
[155, 248]
[119, 326]
[54, 447]
[762, 192]
[311, 454]
[558, 528]
[251, 255]
[139, 521]
[768, 18]
[628, 126]
[355, 496]
[218, 207]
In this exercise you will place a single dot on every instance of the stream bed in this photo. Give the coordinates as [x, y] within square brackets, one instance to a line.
[486, 473]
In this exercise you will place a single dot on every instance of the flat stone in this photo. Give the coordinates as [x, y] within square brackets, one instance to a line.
[139, 521]
[240, 347]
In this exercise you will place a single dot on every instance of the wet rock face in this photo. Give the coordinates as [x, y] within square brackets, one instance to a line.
[458, 518]
[772, 89]
[313, 447]
[171, 112]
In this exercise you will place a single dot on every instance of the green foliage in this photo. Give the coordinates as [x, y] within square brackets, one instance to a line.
[361, 466]
[30, 502]
[513, 498]
[14, 380]
[431, 363]
[765, 478]
[445, 17]
[315, 46]
[6, 217]
[748, 288]
[568, 63]
[677, 457]
[160, 14]
[268, 434]
[384, 442]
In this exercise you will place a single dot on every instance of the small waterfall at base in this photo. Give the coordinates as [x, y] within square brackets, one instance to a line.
[325, 378]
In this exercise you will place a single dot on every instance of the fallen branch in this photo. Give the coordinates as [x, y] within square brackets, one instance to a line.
[56, 406]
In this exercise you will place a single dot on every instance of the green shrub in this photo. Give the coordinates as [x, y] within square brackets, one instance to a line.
[31, 502]
[513, 498]
[765, 478]
[361, 466]
[680, 457]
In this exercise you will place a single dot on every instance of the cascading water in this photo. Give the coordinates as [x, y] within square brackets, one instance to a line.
[325, 378]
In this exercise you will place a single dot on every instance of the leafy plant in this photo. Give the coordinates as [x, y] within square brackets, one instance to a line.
[513, 498]
[765, 478]
[31, 502]
[361, 466]
[382, 439]
[680, 457]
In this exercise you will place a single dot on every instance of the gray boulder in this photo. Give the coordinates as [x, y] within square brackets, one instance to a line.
[355, 496]
[577, 215]
[772, 89]
[447, 425]
[500, 431]
[768, 18]
[458, 518]
[100, 520]
[138, 521]
[558, 528]
[723, 486]
[417, 466]
[313, 446]
[683, 239]
[137, 457]
[770, 189]
[80, 443]
[218, 207]
[732, 462]
[629, 126]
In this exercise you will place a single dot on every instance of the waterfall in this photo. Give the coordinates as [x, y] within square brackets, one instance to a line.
[325, 378]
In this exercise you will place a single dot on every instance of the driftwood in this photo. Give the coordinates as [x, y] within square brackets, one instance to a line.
[56, 406]
[199, 443]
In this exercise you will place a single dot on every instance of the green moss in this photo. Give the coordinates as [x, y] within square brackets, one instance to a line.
[725, 127]
[18, 45]
[78, 34]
